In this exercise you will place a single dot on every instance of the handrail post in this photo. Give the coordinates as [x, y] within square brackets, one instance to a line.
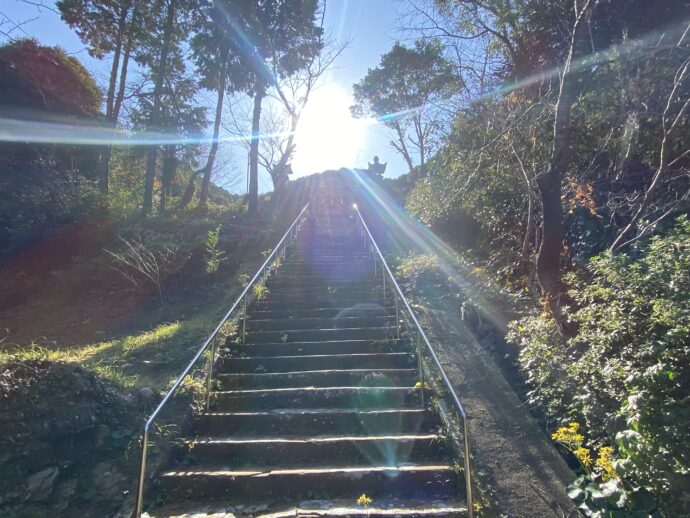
[142, 472]
[466, 466]
[210, 374]
[244, 321]
[420, 363]
[383, 274]
[397, 316]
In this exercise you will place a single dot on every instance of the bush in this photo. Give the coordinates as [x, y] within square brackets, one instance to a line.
[420, 272]
[626, 373]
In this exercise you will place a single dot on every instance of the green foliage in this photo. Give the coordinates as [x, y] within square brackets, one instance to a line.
[46, 78]
[420, 271]
[214, 256]
[45, 185]
[260, 291]
[406, 91]
[626, 373]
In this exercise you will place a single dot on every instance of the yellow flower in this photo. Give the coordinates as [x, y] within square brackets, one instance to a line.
[568, 436]
[364, 500]
[604, 463]
[583, 456]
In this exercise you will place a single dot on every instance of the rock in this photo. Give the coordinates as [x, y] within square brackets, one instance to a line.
[39, 486]
[108, 480]
[146, 393]
[64, 493]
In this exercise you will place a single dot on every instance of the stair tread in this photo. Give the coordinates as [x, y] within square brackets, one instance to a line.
[316, 356]
[318, 411]
[220, 472]
[319, 371]
[269, 391]
[314, 439]
[380, 507]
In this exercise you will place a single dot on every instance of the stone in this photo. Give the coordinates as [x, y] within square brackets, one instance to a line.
[108, 480]
[146, 393]
[39, 486]
[64, 494]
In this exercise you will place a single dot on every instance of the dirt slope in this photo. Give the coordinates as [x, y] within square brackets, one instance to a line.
[517, 459]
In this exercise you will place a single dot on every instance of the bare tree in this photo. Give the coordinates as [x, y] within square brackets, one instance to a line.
[282, 114]
[139, 263]
[672, 119]
[277, 149]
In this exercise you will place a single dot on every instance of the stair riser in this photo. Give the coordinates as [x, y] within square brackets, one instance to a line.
[334, 454]
[326, 291]
[318, 323]
[333, 312]
[383, 361]
[346, 299]
[396, 484]
[336, 378]
[317, 335]
[321, 302]
[366, 399]
[321, 348]
[326, 275]
[298, 424]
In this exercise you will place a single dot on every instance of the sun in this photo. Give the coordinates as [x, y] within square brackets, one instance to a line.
[327, 136]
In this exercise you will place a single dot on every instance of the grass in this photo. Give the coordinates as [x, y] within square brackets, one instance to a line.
[148, 358]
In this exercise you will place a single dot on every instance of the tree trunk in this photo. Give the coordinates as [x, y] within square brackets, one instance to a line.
[529, 235]
[279, 171]
[119, 98]
[253, 195]
[104, 159]
[550, 182]
[167, 175]
[157, 91]
[208, 168]
[402, 147]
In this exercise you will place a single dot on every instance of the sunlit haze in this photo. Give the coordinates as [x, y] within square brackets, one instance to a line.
[328, 137]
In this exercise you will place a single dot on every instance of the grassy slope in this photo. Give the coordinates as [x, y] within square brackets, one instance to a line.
[64, 302]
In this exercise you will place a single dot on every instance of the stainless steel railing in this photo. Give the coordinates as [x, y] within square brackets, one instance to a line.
[278, 252]
[421, 338]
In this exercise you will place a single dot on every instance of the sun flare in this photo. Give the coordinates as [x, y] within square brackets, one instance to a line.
[328, 137]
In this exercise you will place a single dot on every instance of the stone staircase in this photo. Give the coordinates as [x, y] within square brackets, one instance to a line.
[319, 405]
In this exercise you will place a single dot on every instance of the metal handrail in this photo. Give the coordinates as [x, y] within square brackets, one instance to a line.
[210, 340]
[421, 337]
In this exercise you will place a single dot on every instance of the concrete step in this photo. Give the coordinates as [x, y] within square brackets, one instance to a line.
[346, 297]
[320, 302]
[355, 310]
[382, 506]
[338, 451]
[438, 480]
[319, 378]
[362, 346]
[309, 290]
[295, 422]
[316, 397]
[319, 335]
[399, 360]
[281, 324]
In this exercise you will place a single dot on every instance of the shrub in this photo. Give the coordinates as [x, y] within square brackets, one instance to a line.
[420, 271]
[626, 373]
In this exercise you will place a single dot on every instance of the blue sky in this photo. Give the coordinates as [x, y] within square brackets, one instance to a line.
[327, 137]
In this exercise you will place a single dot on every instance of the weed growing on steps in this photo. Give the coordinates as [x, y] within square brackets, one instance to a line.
[364, 500]
[260, 291]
